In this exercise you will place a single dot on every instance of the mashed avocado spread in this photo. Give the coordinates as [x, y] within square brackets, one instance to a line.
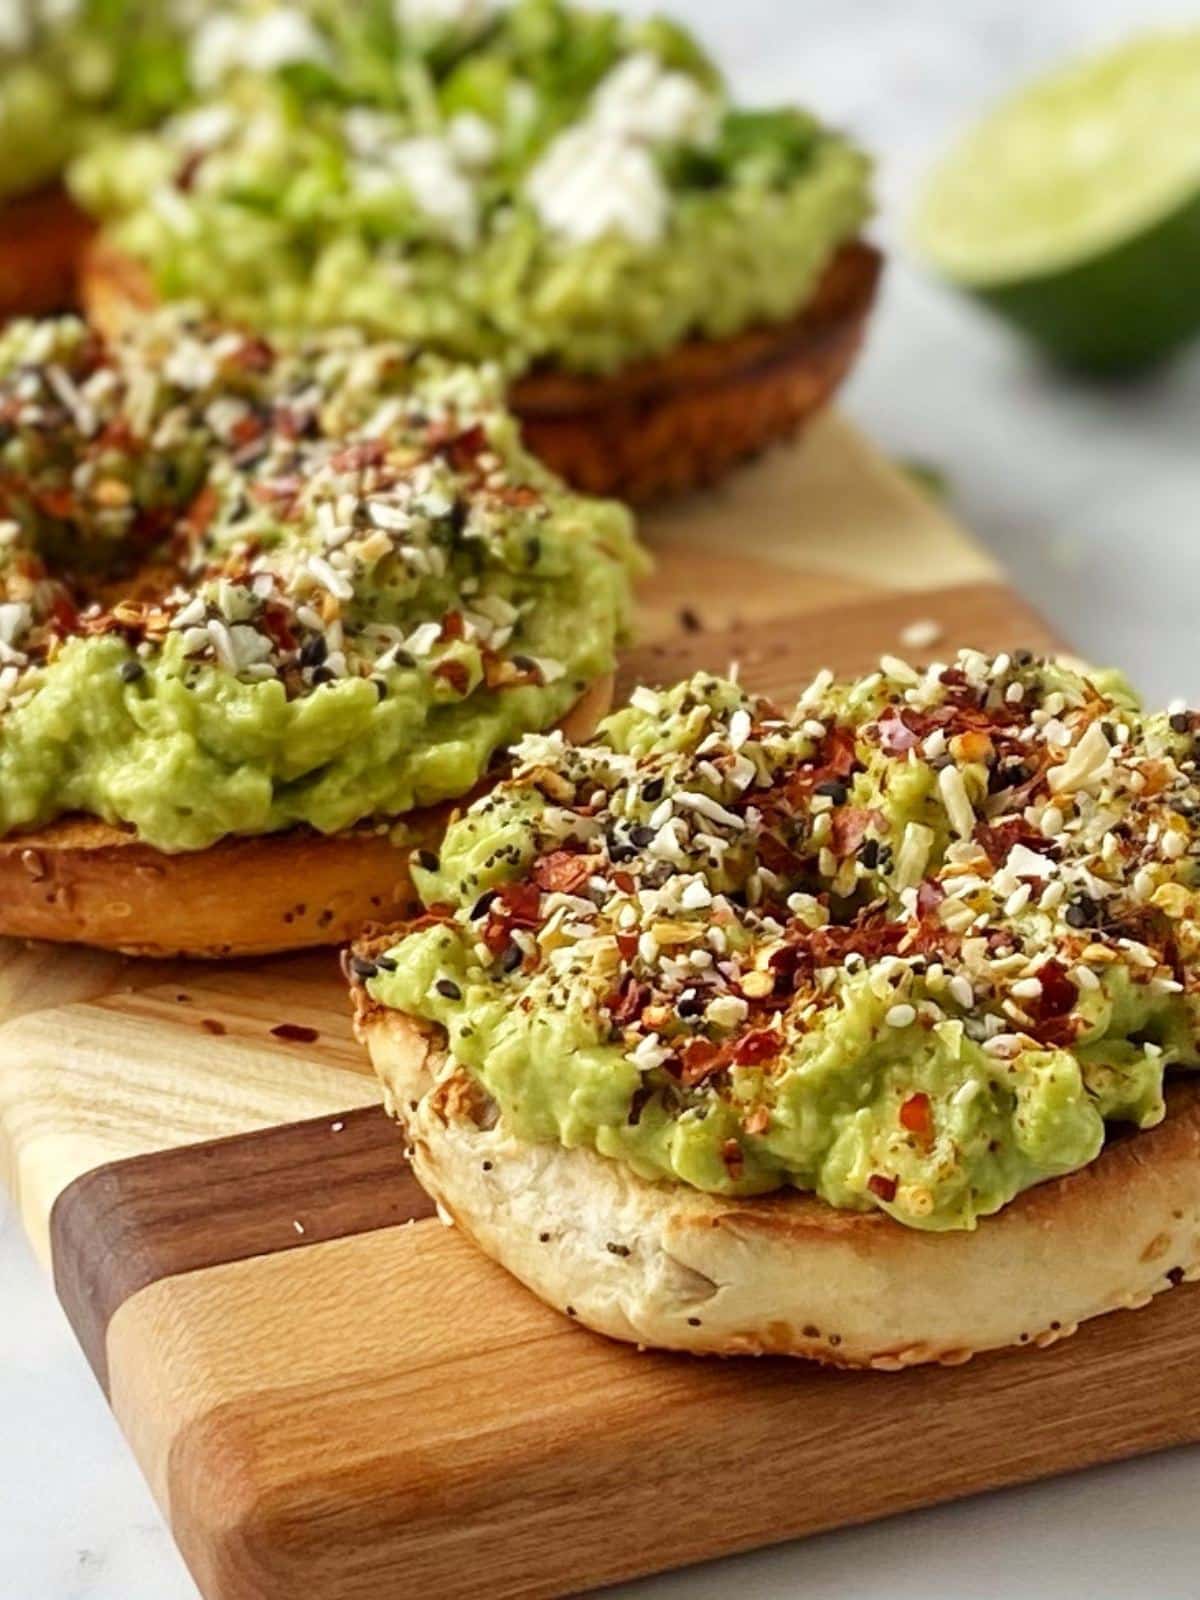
[527, 182]
[69, 68]
[242, 589]
[910, 946]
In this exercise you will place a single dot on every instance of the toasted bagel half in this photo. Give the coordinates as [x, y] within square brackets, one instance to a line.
[667, 1266]
[662, 426]
[83, 881]
[42, 240]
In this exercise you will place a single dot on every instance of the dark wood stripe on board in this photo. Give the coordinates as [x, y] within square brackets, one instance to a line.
[127, 1225]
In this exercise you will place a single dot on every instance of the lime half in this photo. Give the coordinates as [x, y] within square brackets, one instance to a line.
[1074, 208]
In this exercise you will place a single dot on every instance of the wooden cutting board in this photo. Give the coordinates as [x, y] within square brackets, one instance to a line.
[332, 1394]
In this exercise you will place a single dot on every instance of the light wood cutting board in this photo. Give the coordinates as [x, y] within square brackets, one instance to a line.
[331, 1394]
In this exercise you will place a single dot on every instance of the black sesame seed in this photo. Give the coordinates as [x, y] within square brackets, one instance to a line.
[693, 1322]
[641, 836]
[1109, 732]
[1081, 913]
[482, 905]
[652, 791]
[381, 688]
[512, 958]
[361, 968]
[448, 989]
[835, 790]
[689, 1004]
[322, 675]
[1022, 658]
[524, 664]
[131, 671]
[313, 651]
[385, 964]
[869, 853]
[427, 861]
[1181, 722]
[617, 1249]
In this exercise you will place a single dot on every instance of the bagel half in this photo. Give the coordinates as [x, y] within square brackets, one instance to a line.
[668, 1266]
[663, 426]
[83, 881]
[42, 240]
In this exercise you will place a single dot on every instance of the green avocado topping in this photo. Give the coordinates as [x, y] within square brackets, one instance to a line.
[533, 183]
[243, 588]
[910, 946]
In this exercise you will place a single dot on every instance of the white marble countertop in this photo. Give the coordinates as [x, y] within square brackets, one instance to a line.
[1089, 497]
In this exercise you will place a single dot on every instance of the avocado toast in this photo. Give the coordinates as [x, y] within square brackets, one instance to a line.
[262, 613]
[670, 281]
[841, 1032]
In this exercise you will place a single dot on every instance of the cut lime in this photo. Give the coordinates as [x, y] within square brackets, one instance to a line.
[1074, 208]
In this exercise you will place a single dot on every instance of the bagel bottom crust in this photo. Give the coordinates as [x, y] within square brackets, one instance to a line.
[671, 1267]
[82, 881]
[42, 240]
[658, 427]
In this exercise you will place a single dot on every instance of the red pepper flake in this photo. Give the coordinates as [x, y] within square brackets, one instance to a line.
[882, 1186]
[455, 674]
[700, 1059]
[201, 512]
[916, 1117]
[255, 355]
[247, 430]
[454, 625]
[929, 897]
[624, 882]
[357, 457]
[896, 736]
[629, 1001]
[848, 828]
[295, 1033]
[516, 494]
[462, 448]
[735, 1161]
[627, 944]
[997, 839]
[520, 904]
[564, 871]
[757, 1121]
[752, 1049]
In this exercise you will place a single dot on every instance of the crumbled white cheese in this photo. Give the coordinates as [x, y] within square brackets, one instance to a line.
[427, 166]
[204, 129]
[226, 43]
[461, 14]
[591, 182]
[439, 188]
[642, 99]
[600, 175]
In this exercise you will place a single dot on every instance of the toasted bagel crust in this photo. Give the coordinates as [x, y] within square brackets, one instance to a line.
[671, 1267]
[83, 881]
[663, 426]
[42, 240]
